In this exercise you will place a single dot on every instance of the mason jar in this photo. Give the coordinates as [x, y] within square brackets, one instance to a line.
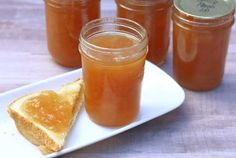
[201, 32]
[154, 15]
[64, 20]
[113, 52]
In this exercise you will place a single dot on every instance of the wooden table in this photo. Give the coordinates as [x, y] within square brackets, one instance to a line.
[204, 126]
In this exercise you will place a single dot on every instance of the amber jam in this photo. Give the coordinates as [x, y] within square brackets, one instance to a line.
[154, 15]
[201, 31]
[113, 60]
[50, 110]
[64, 19]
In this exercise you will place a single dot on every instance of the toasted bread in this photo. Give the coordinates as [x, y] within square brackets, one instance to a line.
[47, 140]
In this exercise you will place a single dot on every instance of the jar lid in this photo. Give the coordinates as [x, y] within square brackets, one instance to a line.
[205, 9]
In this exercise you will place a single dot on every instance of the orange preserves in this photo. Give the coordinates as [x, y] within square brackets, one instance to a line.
[64, 19]
[113, 67]
[50, 110]
[154, 15]
[201, 31]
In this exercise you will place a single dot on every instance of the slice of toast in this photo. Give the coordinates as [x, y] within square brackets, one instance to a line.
[47, 140]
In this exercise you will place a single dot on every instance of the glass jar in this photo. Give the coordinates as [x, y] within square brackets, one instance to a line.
[64, 19]
[201, 32]
[113, 52]
[154, 15]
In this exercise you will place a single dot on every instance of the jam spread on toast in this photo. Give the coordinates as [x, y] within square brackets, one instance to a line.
[50, 110]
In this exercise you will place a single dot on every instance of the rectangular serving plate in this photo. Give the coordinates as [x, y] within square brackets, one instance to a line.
[160, 95]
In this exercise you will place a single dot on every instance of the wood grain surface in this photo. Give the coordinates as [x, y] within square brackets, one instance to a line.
[204, 126]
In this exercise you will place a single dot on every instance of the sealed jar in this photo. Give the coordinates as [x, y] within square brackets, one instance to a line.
[64, 20]
[201, 32]
[113, 56]
[154, 15]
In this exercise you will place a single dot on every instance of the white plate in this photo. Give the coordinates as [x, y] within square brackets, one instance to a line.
[160, 94]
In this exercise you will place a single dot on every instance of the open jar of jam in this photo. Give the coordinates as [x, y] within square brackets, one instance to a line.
[64, 19]
[201, 32]
[113, 56]
[154, 15]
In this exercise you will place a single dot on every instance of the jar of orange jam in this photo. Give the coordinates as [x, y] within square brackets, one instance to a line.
[201, 32]
[154, 15]
[64, 19]
[113, 56]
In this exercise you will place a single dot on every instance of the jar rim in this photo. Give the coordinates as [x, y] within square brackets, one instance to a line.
[67, 2]
[112, 20]
[143, 2]
[139, 5]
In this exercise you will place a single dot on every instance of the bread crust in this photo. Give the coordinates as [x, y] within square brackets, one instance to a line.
[33, 133]
[39, 136]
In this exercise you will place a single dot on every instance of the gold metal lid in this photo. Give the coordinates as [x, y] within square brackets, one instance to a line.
[205, 9]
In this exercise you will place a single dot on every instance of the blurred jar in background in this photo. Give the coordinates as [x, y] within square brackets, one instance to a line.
[64, 20]
[201, 31]
[154, 15]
